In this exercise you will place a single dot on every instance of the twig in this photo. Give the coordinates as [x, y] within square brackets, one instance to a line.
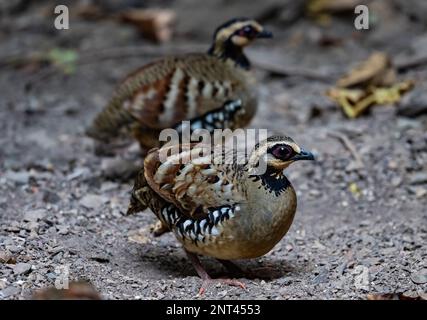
[349, 145]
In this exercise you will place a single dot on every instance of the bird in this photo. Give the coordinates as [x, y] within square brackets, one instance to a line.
[166, 92]
[217, 203]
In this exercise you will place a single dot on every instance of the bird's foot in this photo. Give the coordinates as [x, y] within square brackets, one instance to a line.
[207, 280]
[230, 282]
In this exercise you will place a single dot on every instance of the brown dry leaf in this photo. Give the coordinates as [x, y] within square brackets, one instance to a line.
[154, 24]
[377, 70]
[79, 290]
[370, 83]
[395, 296]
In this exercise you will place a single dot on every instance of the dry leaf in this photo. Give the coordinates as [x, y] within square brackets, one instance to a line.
[154, 24]
[140, 236]
[355, 101]
[377, 70]
[354, 189]
[79, 290]
[370, 83]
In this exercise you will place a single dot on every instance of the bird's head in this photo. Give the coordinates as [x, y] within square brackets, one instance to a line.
[231, 37]
[240, 32]
[276, 153]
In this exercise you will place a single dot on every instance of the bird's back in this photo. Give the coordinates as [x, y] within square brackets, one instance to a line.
[163, 93]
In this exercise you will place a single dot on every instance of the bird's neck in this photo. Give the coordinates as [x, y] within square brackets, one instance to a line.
[273, 181]
[228, 51]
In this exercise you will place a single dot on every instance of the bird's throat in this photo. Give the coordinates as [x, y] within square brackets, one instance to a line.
[228, 51]
[273, 180]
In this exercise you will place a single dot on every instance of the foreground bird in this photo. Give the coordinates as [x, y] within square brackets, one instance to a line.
[218, 207]
[164, 93]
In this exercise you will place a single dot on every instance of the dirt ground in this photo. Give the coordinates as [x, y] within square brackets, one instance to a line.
[358, 229]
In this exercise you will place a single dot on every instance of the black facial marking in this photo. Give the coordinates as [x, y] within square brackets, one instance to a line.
[273, 181]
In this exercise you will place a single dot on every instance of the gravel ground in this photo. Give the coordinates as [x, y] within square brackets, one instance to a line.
[358, 230]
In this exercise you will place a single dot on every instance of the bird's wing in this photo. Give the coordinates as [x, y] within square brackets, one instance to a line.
[193, 179]
[173, 89]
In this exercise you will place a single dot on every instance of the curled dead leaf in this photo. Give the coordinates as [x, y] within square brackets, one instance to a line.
[78, 290]
[154, 24]
[377, 70]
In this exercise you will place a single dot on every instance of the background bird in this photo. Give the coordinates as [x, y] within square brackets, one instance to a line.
[163, 93]
[217, 206]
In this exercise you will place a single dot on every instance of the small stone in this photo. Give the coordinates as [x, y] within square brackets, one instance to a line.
[35, 215]
[160, 295]
[78, 172]
[9, 291]
[418, 191]
[51, 197]
[419, 277]
[63, 229]
[396, 181]
[284, 281]
[6, 257]
[92, 201]
[19, 177]
[22, 268]
[361, 278]
[3, 283]
[418, 178]
[14, 249]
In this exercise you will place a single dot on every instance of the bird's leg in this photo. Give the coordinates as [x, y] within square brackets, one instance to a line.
[207, 280]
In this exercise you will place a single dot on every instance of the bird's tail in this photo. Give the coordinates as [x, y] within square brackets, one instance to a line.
[138, 200]
[111, 122]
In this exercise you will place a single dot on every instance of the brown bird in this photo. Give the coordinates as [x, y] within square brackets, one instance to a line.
[193, 86]
[217, 206]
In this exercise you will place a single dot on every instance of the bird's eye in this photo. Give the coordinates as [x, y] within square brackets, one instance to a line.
[283, 152]
[246, 31]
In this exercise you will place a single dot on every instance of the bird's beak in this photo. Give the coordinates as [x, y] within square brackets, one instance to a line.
[265, 34]
[303, 155]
